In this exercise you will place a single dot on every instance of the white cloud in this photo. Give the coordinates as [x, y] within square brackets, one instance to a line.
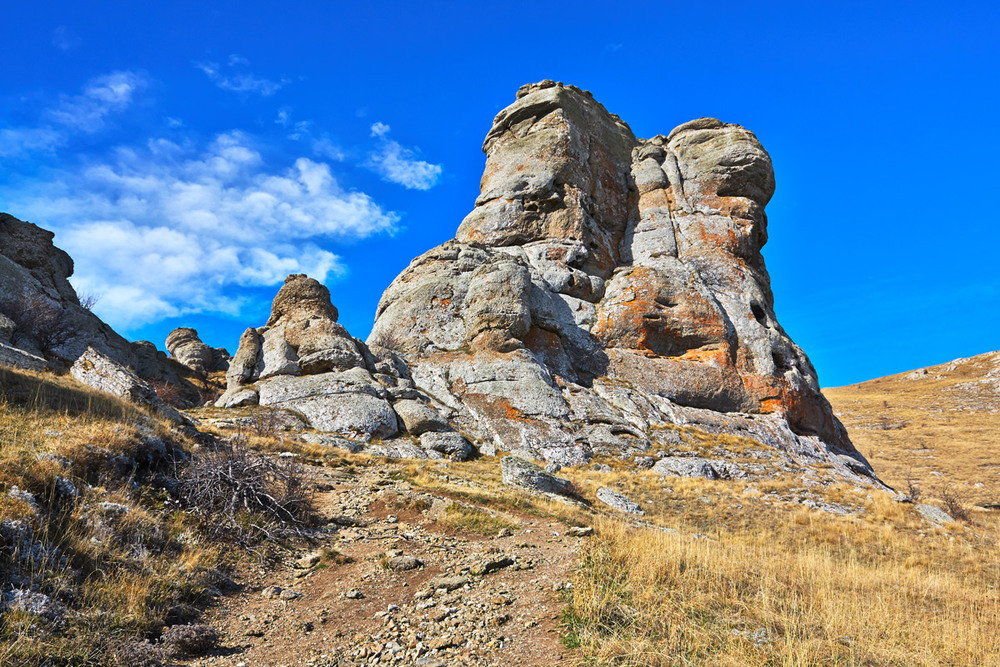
[398, 164]
[100, 97]
[240, 82]
[86, 113]
[23, 140]
[168, 230]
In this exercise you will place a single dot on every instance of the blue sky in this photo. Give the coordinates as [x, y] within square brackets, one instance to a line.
[189, 155]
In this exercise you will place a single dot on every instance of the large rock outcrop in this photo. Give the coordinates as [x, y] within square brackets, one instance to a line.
[305, 361]
[605, 285]
[43, 324]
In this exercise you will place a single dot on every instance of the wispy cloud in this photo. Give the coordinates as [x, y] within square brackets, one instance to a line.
[86, 112]
[398, 164]
[100, 97]
[65, 39]
[167, 230]
[226, 78]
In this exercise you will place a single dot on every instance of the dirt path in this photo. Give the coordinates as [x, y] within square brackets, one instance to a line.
[366, 609]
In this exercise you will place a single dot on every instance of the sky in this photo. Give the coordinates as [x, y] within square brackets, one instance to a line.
[190, 155]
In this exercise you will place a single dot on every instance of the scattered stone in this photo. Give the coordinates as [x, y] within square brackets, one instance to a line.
[934, 514]
[354, 594]
[270, 592]
[404, 563]
[488, 565]
[617, 501]
[644, 462]
[527, 475]
[309, 561]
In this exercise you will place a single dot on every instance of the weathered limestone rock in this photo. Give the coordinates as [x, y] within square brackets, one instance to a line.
[606, 280]
[304, 361]
[185, 346]
[518, 472]
[617, 501]
[99, 371]
[18, 358]
[453, 445]
[418, 417]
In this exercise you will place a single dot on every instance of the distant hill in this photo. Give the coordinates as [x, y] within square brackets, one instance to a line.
[937, 426]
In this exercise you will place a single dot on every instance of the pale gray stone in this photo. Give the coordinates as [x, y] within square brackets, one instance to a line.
[934, 514]
[617, 501]
[524, 474]
[453, 445]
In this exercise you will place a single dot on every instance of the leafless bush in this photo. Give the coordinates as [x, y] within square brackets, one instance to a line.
[912, 490]
[245, 495]
[189, 640]
[169, 393]
[38, 320]
[388, 339]
[265, 422]
[210, 395]
[88, 300]
[954, 504]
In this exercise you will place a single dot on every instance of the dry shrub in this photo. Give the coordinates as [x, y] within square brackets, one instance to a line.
[387, 339]
[189, 640]
[244, 495]
[265, 422]
[954, 504]
[169, 393]
[38, 320]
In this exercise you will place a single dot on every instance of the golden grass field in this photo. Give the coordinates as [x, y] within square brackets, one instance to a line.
[937, 428]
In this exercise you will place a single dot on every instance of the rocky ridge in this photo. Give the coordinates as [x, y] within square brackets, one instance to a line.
[43, 323]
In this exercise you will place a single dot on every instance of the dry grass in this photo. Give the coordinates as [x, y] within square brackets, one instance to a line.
[96, 536]
[936, 430]
[802, 593]
[466, 518]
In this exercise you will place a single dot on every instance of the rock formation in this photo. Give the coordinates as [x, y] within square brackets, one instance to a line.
[185, 346]
[604, 286]
[43, 324]
[304, 361]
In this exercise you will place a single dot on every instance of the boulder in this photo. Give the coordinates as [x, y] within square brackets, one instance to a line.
[453, 445]
[185, 346]
[104, 374]
[523, 474]
[617, 501]
[41, 315]
[418, 417]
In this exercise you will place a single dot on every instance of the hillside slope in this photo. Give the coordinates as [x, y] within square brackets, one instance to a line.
[937, 427]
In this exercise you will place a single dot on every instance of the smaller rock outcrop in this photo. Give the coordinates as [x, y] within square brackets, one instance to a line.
[185, 346]
[44, 324]
[99, 371]
[305, 361]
